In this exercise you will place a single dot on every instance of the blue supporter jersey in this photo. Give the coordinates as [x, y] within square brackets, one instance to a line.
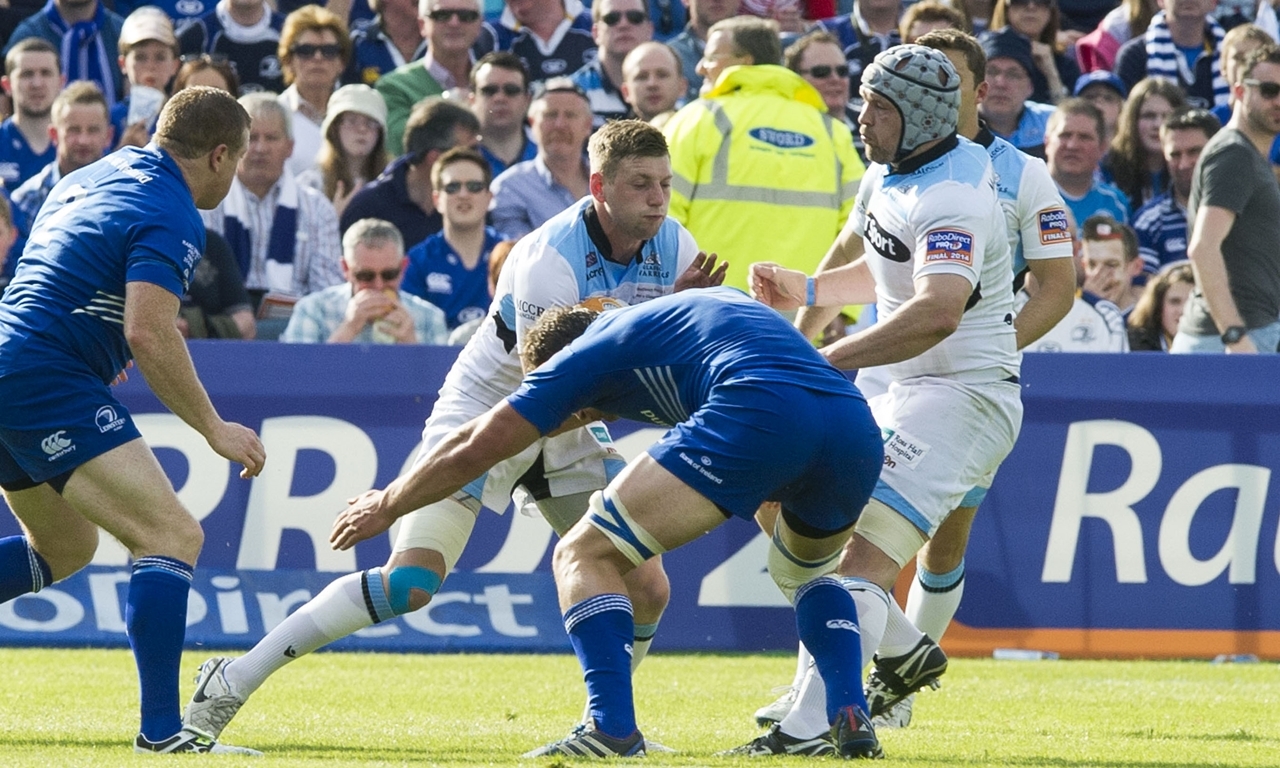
[128, 217]
[181, 11]
[660, 361]
[18, 162]
[571, 52]
[1161, 226]
[1101, 198]
[436, 273]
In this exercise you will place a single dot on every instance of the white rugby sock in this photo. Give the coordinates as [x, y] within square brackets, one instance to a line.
[808, 716]
[934, 599]
[803, 662]
[338, 611]
[900, 635]
[873, 610]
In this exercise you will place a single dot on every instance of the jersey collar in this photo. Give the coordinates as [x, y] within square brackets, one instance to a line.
[913, 164]
[595, 230]
[985, 137]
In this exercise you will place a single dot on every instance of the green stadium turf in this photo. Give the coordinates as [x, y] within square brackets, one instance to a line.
[78, 708]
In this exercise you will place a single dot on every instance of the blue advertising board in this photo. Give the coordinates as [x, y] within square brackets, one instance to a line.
[1134, 517]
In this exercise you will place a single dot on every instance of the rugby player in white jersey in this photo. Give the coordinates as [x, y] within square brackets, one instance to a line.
[1040, 239]
[928, 243]
[616, 246]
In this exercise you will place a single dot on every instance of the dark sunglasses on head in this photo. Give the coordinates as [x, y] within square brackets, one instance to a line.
[464, 15]
[1266, 88]
[508, 89]
[368, 275]
[307, 50]
[633, 18]
[822, 71]
[474, 187]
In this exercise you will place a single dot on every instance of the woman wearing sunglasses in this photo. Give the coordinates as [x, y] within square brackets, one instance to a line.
[1037, 21]
[819, 59]
[354, 148]
[314, 50]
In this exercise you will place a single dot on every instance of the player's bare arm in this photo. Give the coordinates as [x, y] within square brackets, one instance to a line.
[162, 356]
[787, 289]
[846, 249]
[920, 323]
[471, 450]
[1055, 291]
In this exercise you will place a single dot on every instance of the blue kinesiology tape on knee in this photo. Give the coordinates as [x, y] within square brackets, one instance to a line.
[406, 578]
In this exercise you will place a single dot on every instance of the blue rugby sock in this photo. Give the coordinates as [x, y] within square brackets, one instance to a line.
[156, 619]
[601, 629]
[827, 620]
[22, 569]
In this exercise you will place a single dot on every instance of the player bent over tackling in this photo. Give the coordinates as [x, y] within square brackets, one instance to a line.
[754, 413]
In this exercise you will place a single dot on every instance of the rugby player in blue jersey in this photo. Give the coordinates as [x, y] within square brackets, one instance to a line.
[755, 414]
[100, 283]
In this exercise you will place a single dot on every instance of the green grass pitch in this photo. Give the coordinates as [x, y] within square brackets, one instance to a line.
[78, 708]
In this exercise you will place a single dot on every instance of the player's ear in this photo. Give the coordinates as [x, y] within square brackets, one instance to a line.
[596, 185]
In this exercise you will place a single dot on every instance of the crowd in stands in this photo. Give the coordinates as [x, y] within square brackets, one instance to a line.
[397, 147]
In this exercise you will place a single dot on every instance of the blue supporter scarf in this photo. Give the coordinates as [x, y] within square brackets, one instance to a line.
[84, 55]
[284, 234]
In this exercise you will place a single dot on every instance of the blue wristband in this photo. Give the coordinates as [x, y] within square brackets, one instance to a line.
[810, 291]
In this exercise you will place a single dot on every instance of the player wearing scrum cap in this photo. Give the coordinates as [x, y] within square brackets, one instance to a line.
[617, 243]
[927, 243]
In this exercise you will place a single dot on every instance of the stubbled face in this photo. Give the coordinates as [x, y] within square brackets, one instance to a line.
[34, 83]
[1262, 113]
[880, 127]
[1181, 149]
[83, 135]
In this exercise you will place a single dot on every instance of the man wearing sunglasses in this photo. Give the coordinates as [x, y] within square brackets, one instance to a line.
[817, 58]
[450, 28]
[369, 307]
[500, 100]
[619, 26]
[1235, 213]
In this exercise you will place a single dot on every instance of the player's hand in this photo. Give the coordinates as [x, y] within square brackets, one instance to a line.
[364, 518]
[778, 287]
[702, 273]
[238, 443]
[123, 375]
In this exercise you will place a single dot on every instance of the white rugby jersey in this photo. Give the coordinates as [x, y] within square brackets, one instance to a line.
[940, 214]
[558, 265]
[1034, 211]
